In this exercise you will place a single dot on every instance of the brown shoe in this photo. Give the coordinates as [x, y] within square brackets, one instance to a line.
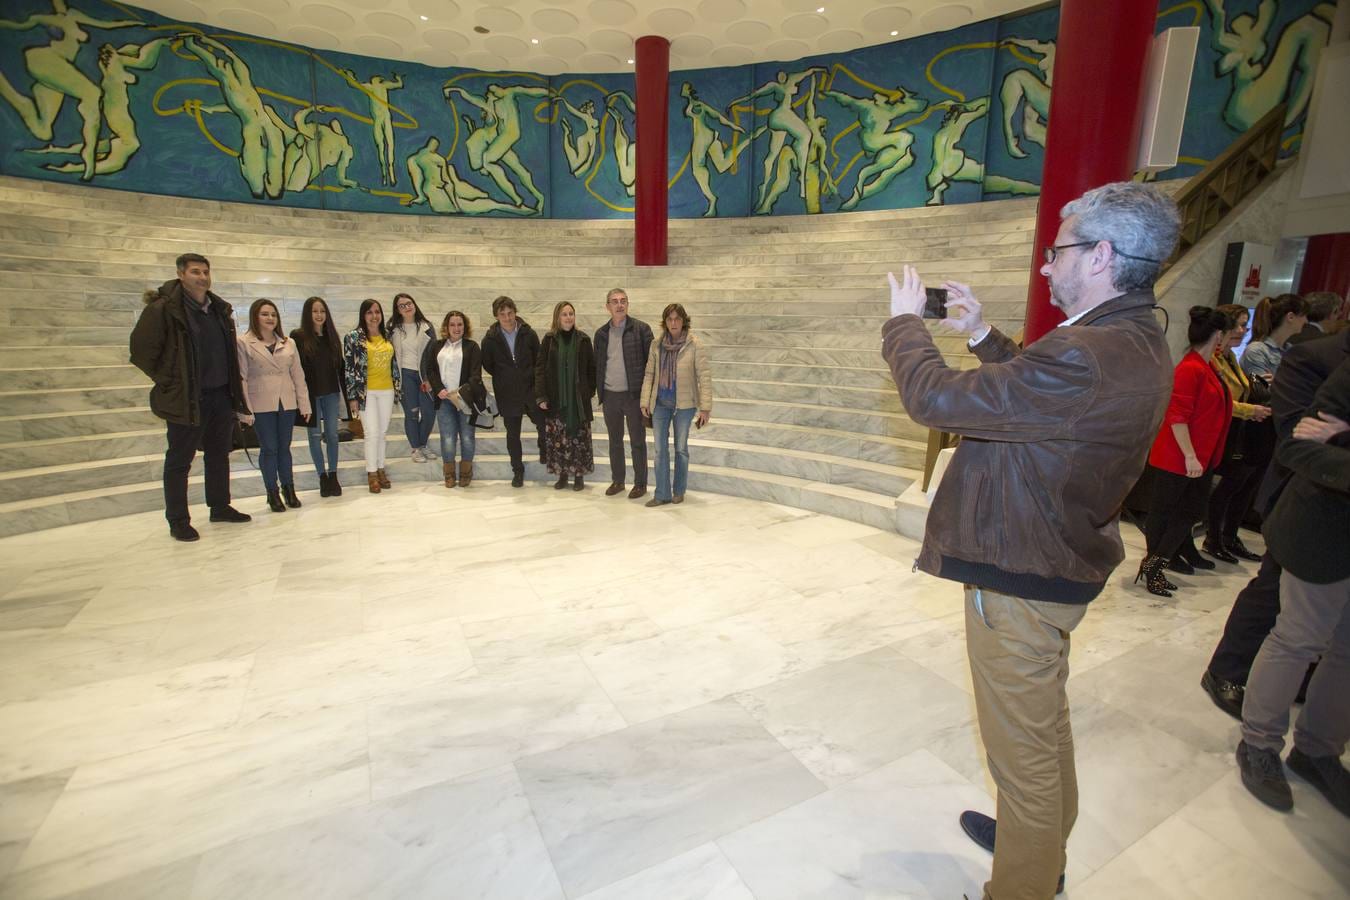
[373, 480]
[465, 472]
[678, 498]
[613, 489]
[448, 470]
[384, 479]
[638, 491]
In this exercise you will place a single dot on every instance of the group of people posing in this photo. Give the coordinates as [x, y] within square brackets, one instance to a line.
[205, 379]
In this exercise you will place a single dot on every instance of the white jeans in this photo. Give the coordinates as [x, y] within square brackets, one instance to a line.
[375, 419]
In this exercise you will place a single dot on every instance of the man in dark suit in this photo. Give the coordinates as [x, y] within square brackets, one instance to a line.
[1324, 307]
[1303, 370]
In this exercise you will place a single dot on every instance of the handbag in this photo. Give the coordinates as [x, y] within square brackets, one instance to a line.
[355, 430]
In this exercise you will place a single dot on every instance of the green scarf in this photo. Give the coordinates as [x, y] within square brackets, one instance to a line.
[569, 409]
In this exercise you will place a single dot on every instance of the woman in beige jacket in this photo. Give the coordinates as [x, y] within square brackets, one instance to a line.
[676, 388]
[274, 385]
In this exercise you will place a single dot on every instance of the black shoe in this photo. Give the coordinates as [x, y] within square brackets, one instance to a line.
[288, 494]
[182, 531]
[518, 479]
[323, 485]
[274, 501]
[1150, 570]
[1226, 695]
[1263, 775]
[1324, 773]
[983, 831]
[1218, 552]
[229, 514]
[561, 483]
[578, 484]
[1180, 566]
[1235, 546]
[1199, 562]
[614, 488]
[334, 489]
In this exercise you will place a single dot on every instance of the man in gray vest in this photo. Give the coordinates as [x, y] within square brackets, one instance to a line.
[621, 348]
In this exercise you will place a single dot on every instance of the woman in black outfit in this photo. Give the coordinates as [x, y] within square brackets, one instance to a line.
[321, 359]
[509, 350]
[564, 382]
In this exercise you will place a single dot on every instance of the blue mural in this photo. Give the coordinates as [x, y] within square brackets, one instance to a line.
[103, 93]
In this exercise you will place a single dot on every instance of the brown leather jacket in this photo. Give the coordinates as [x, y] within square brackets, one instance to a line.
[1054, 438]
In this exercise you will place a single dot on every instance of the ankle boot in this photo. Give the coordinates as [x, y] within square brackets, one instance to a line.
[373, 482]
[274, 501]
[465, 472]
[578, 484]
[288, 494]
[1150, 569]
[334, 489]
[560, 483]
[384, 478]
[323, 485]
[448, 470]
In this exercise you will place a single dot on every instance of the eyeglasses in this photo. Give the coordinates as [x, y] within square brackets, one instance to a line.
[1052, 251]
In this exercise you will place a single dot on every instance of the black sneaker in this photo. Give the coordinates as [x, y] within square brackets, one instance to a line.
[1263, 775]
[1226, 695]
[983, 831]
[229, 514]
[182, 531]
[1324, 773]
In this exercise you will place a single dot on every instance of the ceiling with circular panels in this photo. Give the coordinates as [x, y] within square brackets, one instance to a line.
[553, 37]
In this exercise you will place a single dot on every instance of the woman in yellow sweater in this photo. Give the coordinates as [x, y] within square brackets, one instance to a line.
[372, 385]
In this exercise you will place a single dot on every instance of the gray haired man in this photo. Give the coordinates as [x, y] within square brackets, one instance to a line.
[1026, 516]
[621, 348]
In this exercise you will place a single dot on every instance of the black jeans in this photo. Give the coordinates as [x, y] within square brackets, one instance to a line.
[513, 447]
[1177, 504]
[623, 407]
[1249, 621]
[212, 434]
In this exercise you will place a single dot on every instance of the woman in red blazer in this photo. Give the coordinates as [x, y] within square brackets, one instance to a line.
[1188, 449]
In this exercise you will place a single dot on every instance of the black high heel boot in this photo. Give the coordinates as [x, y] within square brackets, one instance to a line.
[334, 489]
[274, 501]
[288, 492]
[1150, 569]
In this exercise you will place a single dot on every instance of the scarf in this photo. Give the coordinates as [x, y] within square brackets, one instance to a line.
[670, 351]
[568, 408]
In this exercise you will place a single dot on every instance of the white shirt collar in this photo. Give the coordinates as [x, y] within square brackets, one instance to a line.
[1075, 318]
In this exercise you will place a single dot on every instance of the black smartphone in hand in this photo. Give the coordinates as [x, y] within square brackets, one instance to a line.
[935, 306]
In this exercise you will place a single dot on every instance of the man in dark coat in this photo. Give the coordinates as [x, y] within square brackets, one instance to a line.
[185, 341]
[621, 348]
[509, 350]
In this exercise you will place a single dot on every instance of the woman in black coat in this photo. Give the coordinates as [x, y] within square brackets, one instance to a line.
[564, 382]
[447, 365]
[510, 348]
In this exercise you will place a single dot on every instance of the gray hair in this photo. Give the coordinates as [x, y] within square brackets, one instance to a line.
[613, 291]
[1321, 304]
[1137, 220]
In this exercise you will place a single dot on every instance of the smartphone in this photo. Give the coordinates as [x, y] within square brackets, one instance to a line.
[935, 306]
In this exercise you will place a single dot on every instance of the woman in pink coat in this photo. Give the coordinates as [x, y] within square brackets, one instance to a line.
[274, 385]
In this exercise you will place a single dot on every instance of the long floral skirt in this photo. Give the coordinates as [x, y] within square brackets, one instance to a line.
[566, 455]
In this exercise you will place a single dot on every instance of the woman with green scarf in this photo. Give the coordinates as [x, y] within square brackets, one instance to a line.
[564, 382]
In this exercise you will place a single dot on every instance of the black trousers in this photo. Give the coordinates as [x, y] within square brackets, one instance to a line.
[1231, 500]
[1177, 504]
[513, 447]
[212, 434]
[1249, 621]
[623, 407]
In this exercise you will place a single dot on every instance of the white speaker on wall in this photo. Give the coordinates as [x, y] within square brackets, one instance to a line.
[1167, 87]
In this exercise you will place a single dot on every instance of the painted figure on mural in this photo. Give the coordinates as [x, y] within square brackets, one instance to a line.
[1023, 87]
[263, 151]
[1259, 85]
[783, 123]
[491, 147]
[951, 163]
[625, 148]
[705, 143]
[579, 148]
[56, 77]
[312, 147]
[816, 177]
[377, 91]
[436, 184]
[890, 150]
[481, 132]
[115, 64]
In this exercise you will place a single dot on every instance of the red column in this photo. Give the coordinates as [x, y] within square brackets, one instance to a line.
[653, 77]
[1093, 130]
[1326, 265]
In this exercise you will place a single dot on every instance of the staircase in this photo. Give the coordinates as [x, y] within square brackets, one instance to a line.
[790, 307]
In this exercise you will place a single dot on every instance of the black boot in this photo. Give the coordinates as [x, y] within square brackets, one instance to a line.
[561, 483]
[274, 501]
[579, 484]
[288, 492]
[334, 489]
[1150, 569]
[518, 478]
[323, 485]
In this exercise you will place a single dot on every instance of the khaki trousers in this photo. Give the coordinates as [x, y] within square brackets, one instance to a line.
[1019, 660]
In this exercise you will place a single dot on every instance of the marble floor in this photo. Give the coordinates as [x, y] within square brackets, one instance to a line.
[537, 694]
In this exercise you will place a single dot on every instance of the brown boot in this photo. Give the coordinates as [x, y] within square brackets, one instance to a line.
[384, 479]
[448, 470]
[465, 472]
[373, 480]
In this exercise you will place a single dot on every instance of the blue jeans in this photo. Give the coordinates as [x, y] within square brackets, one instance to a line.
[455, 424]
[419, 410]
[662, 416]
[275, 431]
[325, 431]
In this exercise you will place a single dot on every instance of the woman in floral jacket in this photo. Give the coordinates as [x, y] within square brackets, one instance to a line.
[372, 385]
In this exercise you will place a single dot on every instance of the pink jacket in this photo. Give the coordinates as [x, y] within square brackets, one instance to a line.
[272, 380]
